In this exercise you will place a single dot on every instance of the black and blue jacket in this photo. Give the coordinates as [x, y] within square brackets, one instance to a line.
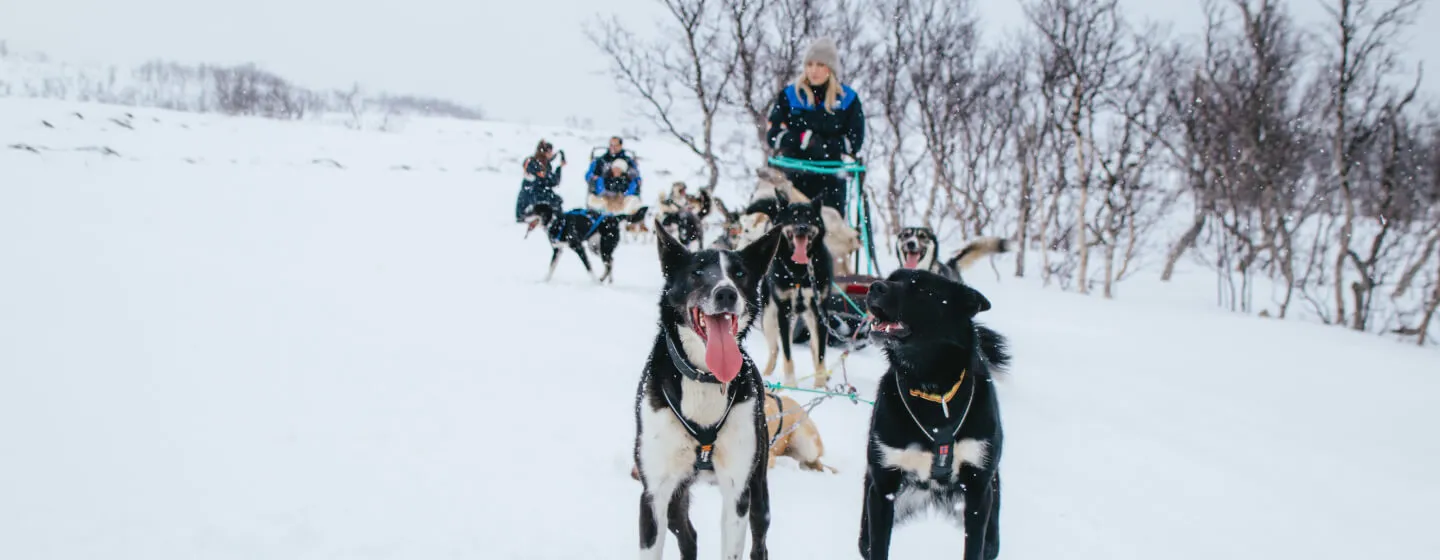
[832, 133]
[538, 174]
[599, 179]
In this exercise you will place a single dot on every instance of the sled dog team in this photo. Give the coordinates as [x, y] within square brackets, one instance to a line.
[702, 411]
[703, 414]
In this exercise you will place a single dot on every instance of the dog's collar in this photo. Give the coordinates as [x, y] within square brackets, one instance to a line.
[684, 366]
[942, 439]
[942, 400]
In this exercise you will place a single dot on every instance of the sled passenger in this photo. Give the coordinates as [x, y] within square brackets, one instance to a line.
[606, 161]
[817, 118]
[615, 191]
[538, 187]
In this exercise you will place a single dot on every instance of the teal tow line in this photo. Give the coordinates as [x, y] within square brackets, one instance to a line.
[842, 293]
[851, 396]
[816, 166]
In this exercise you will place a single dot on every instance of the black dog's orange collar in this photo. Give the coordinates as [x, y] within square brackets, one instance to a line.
[937, 398]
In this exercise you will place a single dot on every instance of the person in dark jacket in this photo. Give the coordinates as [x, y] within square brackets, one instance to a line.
[618, 181]
[817, 118]
[538, 187]
[603, 164]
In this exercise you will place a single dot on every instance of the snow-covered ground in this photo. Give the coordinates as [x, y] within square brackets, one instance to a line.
[216, 343]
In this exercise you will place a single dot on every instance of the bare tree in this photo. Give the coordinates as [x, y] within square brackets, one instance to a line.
[1084, 46]
[892, 99]
[1359, 66]
[1034, 126]
[697, 65]
[754, 89]
[947, 84]
[990, 115]
[1139, 117]
[1245, 147]
[1389, 203]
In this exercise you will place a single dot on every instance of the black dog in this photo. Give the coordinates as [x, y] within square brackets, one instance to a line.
[917, 248]
[935, 435]
[798, 284]
[730, 238]
[575, 228]
[686, 227]
[696, 378]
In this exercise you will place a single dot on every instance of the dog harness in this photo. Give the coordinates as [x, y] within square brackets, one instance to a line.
[942, 442]
[594, 224]
[779, 408]
[704, 435]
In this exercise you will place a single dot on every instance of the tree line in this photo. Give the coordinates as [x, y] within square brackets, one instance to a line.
[1298, 163]
[239, 90]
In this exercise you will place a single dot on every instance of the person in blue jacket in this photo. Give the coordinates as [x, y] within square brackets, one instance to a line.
[604, 167]
[617, 181]
[817, 118]
[541, 178]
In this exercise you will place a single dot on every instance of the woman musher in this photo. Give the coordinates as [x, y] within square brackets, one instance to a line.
[817, 118]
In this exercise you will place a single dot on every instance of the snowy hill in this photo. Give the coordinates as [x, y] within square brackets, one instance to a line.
[241, 338]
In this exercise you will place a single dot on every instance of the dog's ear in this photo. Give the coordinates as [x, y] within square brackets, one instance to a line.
[758, 255]
[782, 198]
[673, 254]
[974, 302]
[638, 215]
[816, 205]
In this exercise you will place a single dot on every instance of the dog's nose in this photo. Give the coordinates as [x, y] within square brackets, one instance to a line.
[726, 297]
[877, 288]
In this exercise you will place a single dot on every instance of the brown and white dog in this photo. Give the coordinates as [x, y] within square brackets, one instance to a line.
[842, 240]
[793, 434]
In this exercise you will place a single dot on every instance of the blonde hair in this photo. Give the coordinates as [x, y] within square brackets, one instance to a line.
[832, 94]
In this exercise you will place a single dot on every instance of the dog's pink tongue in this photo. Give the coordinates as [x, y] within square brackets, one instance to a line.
[722, 352]
[801, 246]
[912, 260]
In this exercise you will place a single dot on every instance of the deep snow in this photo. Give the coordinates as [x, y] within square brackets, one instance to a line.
[213, 347]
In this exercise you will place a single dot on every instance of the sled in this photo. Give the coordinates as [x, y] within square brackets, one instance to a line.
[613, 203]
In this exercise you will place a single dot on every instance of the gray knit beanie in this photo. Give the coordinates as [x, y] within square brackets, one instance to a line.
[824, 51]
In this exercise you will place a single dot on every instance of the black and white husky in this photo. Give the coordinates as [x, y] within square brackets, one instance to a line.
[799, 284]
[699, 409]
[579, 227]
[917, 248]
[935, 434]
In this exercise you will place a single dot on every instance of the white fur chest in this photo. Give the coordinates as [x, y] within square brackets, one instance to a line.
[915, 460]
[668, 450]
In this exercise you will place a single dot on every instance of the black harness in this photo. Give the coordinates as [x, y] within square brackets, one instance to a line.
[942, 438]
[787, 279]
[780, 427]
[704, 435]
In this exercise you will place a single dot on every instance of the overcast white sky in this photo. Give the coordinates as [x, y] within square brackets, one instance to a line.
[520, 60]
